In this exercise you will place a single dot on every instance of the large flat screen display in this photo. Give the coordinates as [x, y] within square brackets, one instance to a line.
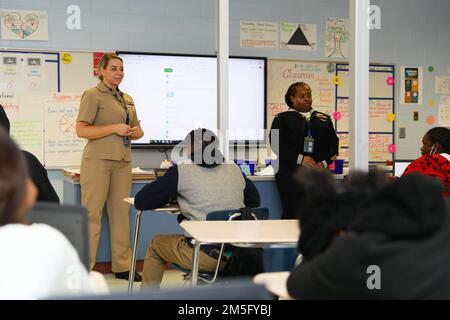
[175, 94]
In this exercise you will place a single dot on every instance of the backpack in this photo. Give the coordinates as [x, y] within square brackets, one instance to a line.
[243, 261]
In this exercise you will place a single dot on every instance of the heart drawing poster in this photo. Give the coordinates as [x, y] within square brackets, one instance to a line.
[23, 25]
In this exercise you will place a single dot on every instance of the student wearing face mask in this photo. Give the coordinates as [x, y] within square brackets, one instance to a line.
[300, 136]
[435, 159]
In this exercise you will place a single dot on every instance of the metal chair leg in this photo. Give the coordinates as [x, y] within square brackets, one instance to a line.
[137, 227]
[195, 263]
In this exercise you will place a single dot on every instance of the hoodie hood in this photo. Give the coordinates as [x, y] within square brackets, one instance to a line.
[4, 121]
[411, 207]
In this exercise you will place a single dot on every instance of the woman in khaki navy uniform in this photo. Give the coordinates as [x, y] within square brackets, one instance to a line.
[305, 138]
[108, 119]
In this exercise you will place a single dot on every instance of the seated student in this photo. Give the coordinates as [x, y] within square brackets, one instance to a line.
[328, 208]
[37, 260]
[395, 248]
[204, 183]
[435, 159]
[36, 170]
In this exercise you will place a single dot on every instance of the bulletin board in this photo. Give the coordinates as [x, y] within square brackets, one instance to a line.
[381, 104]
[329, 97]
[40, 92]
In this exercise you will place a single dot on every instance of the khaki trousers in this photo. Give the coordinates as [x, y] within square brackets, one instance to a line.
[110, 181]
[171, 248]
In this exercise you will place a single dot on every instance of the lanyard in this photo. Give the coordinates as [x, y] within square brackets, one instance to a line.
[308, 127]
[119, 96]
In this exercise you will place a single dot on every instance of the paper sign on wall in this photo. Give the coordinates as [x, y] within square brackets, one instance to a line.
[295, 36]
[23, 25]
[411, 85]
[442, 85]
[259, 34]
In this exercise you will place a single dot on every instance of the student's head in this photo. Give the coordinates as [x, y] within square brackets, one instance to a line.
[436, 140]
[328, 208]
[110, 70]
[17, 192]
[4, 121]
[298, 97]
[203, 147]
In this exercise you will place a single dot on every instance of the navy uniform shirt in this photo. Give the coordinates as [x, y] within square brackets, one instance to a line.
[293, 129]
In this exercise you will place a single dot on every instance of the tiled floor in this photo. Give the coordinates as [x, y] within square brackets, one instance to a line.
[172, 278]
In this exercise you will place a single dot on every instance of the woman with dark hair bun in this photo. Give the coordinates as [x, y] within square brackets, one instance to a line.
[435, 159]
[300, 137]
[37, 260]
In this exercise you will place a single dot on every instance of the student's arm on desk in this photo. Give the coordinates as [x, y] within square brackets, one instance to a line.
[157, 193]
[251, 194]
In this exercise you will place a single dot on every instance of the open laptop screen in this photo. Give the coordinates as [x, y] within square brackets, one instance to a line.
[400, 166]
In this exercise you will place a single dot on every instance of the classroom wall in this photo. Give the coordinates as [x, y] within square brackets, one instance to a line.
[413, 32]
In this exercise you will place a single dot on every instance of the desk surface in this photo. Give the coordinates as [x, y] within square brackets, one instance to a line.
[243, 231]
[168, 207]
[275, 282]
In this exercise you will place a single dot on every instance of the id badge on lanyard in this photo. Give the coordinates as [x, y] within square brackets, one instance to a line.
[308, 143]
[126, 140]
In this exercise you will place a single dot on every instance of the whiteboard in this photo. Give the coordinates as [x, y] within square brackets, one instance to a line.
[43, 119]
[378, 85]
[378, 115]
[378, 147]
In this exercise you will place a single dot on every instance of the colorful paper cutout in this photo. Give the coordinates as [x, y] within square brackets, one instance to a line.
[391, 117]
[337, 80]
[431, 102]
[390, 81]
[392, 148]
[430, 68]
[66, 58]
[430, 120]
[337, 115]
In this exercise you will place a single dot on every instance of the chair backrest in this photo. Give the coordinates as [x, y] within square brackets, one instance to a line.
[72, 221]
[260, 213]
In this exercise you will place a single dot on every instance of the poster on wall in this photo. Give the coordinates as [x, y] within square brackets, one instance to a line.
[24, 25]
[63, 148]
[442, 85]
[444, 111]
[337, 37]
[259, 34]
[298, 36]
[411, 84]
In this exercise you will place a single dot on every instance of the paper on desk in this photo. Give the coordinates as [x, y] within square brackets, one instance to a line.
[138, 170]
[267, 171]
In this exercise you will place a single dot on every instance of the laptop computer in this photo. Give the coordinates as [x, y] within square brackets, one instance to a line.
[72, 221]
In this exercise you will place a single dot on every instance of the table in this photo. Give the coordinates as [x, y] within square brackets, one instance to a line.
[239, 232]
[275, 282]
[137, 226]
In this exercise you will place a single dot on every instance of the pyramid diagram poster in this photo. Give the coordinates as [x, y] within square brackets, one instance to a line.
[298, 36]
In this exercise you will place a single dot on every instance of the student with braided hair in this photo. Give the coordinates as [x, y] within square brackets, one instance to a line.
[435, 159]
[305, 137]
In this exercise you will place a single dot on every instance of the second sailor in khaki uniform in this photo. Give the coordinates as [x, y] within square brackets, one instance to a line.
[108, 119]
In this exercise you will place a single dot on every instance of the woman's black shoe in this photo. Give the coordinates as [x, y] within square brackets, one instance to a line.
[126, 274]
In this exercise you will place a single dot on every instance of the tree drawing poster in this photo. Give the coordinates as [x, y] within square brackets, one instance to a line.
[23, 25]
[298, 36]
[337, 37]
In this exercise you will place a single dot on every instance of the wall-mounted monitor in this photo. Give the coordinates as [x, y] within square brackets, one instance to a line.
[175, 94]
